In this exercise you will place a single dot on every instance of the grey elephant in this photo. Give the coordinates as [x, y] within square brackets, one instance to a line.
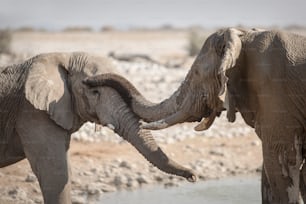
[263, 76]
[45, 99]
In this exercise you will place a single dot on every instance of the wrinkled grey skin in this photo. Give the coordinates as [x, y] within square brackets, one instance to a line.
[44, 100]
[263, 76]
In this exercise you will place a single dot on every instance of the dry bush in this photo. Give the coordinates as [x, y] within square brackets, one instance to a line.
[108, 28]
[5, 41]
[196, 39]
[78, 29]
[25, 29]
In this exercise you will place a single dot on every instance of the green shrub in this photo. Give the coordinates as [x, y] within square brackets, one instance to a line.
[5, 41]
[196, 40]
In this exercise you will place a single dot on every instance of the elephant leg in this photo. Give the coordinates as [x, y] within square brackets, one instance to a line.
[266, 193]
[11, 151]
[303, 171]
[45, 145]
[303, 183]
[282, 163]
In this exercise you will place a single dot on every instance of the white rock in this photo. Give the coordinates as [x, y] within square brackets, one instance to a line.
[142, 179]
[78, 200]
[125, 164]
[30, 178]
[158, 178]
[170, 184]
[255, 143]
[120, 181]
[107, 188]
[132, 183]
[87, 173]
[17, 192]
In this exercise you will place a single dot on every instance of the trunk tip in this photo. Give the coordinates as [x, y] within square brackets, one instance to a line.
[192, 177]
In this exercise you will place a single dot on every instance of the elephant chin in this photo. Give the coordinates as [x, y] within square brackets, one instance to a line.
[185, 116]
[206, 122]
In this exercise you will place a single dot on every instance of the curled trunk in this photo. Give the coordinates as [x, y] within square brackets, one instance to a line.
[143, 108]
[187, 104]
[113, 110]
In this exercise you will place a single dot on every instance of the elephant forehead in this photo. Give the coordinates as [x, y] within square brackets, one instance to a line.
[99, 65]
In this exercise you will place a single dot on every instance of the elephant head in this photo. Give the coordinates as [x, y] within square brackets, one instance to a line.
[199, 94]
[56, 85]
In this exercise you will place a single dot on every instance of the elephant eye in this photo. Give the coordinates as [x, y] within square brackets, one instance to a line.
[220, 48]
[95, 92]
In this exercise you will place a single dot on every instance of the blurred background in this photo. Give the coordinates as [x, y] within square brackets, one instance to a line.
[153, 44]
[95, 15]
[190, 20]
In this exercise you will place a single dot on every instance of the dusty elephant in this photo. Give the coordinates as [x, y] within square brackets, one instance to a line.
[45, 99]
[263, 74]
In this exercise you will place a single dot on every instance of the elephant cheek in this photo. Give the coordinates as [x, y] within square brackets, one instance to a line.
[104, 117]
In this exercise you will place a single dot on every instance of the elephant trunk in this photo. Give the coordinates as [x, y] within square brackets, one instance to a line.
[191, 106]
[186, 104]
[128, 126]
[143, 108]
[195, 100]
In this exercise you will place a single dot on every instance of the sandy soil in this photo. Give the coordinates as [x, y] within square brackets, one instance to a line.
[222, 157]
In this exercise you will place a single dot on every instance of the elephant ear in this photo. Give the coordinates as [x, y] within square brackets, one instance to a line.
[231, 52]
[46, 89]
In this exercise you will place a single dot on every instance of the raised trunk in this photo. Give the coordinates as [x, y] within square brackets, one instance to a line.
[127, 125]
[149, 111]
[187, 104]
[143, 108]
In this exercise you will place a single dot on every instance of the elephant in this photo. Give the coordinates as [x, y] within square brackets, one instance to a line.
[259, 73]
[46, 98]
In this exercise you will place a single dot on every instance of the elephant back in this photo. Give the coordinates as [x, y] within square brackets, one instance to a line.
[295, 47]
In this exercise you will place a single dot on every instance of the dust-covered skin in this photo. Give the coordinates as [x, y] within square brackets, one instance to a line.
[263, 76]
[44, 100]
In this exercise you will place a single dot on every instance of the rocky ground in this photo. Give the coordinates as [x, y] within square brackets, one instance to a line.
[102, 167]
[102, 162]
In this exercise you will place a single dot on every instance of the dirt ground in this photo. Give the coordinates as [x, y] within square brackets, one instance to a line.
[226, 157]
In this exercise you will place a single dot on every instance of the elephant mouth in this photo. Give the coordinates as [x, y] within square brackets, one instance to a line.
[198, 117]
[206, 119]
[209, 117]
[206, 122]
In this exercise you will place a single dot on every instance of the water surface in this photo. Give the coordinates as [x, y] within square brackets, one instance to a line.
[224, 191]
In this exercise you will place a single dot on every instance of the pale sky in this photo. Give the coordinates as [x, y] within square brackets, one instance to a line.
[58, 14]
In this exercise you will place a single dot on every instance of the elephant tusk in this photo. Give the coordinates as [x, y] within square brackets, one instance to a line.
[157, 125]
[111, 126]
[206, 122]
[173, 119]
